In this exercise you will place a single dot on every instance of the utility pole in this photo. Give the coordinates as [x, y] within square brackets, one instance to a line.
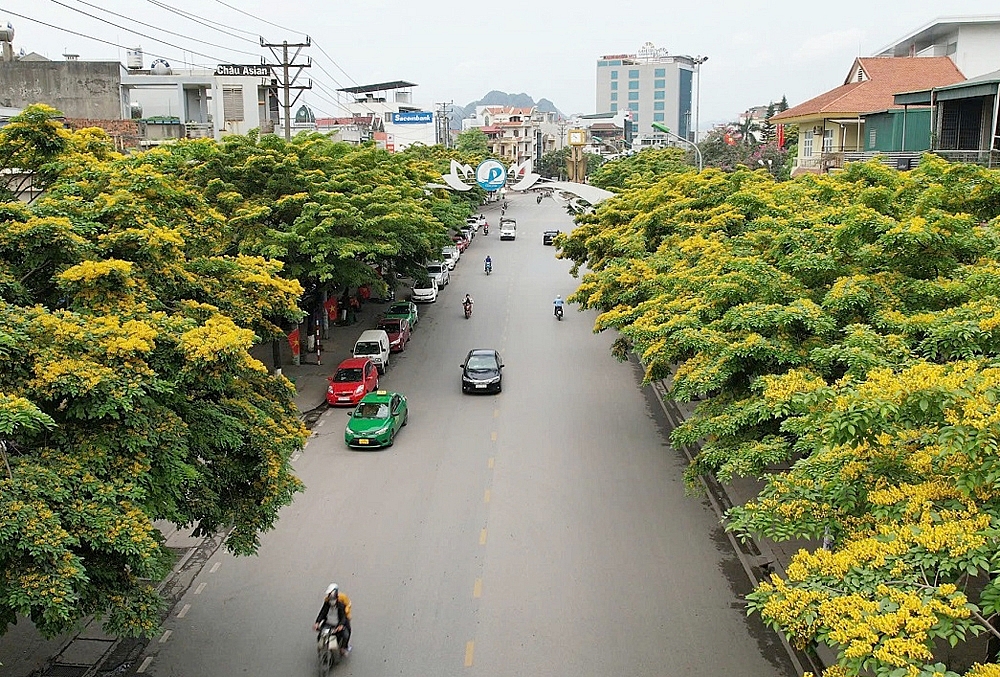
[443, 123]
[287, 81]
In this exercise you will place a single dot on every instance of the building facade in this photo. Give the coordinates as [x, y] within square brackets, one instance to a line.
[516, 134]
[404, 123]
[654, 85]
[972, 42]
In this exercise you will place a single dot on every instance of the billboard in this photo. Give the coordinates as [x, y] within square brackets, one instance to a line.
[243, 71]
[413, 118]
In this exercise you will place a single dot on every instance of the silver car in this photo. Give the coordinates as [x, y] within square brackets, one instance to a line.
[440, 273]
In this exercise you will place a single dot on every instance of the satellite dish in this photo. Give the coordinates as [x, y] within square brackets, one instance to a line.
[160, 67]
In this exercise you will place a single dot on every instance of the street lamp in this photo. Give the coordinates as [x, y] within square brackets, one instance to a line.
[698, 61]
[666, 130]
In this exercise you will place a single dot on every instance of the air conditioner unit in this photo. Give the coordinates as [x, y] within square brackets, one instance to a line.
[818, 130]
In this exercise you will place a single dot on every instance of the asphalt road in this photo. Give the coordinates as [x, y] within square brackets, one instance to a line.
[541, 531]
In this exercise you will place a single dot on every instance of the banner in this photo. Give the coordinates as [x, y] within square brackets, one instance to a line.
[293, 341]
[331, 308]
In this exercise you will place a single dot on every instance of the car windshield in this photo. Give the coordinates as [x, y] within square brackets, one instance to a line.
[402, 309]
[372, 410]
[367, 348]
[481, 363]
[389, 327]
[434, 269]
[347, 375]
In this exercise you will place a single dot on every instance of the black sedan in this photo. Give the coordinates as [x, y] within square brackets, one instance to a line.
[549, 236]
[481, 371]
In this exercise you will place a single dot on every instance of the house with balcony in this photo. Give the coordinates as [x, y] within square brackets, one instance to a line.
[833, 123]
[515, 134]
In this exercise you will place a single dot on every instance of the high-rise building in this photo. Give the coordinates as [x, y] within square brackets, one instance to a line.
[653, 84]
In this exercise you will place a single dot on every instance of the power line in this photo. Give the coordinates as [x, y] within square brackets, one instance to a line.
[164, 30]
[149, 37]
[269, 23]
[81, 35]
[204, 22]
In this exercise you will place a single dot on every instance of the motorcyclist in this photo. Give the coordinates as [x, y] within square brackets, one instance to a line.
[468, 303]
[557, 305]
[489, 263]
[336, 601]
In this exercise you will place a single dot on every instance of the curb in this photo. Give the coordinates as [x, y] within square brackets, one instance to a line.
[753, 556]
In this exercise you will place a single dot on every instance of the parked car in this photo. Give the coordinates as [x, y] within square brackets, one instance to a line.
[482, 220]
[469, 233]
[355, 377]
[440, 272]
[373, 344]
[450, 256]
[398, 330]
[425, 291]
[482, 371]
[376, 420]
[461, 243]
[406, 310]
[549, 236]
[472, 222]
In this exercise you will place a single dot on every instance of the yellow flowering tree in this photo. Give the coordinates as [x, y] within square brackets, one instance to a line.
[127, 393]
[841, 333]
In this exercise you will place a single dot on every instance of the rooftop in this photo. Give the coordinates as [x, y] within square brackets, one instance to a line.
[378, 87]
[930, 33]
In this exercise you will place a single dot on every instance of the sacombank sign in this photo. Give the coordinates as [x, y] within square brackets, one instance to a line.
[418, 117]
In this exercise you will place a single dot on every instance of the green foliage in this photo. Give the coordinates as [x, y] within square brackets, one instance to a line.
[843, 335]
[641, 169]
[553, 163]
[29, 144]
[473, 141]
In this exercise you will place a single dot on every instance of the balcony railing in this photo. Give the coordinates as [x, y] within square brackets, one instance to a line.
[986, 158]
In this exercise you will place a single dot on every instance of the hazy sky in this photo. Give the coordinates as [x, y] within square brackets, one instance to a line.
[460, 50]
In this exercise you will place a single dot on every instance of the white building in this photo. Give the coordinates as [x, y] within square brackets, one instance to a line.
[972, 43]
[652, 84]
[517, 133]
[405, 123]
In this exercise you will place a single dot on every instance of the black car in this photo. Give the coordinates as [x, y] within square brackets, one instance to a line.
[549, 236]
[481, 371]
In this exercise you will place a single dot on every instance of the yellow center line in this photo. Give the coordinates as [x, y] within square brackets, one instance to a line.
[493, 436]
[496, 413]
[486, 496]
[489, 463]
[482, 537]
[477, 589]
[470, 647]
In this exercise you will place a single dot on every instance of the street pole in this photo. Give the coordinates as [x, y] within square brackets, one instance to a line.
[698, 61]
[666, 130]
[288, 80]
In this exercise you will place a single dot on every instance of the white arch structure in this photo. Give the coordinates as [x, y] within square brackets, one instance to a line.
[525, 179]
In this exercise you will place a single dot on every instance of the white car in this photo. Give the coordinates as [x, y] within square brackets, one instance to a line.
[450, 256]
[440, 273]
[508, 229]
[425, 291]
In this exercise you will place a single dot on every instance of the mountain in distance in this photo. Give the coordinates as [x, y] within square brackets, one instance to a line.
[498, 98]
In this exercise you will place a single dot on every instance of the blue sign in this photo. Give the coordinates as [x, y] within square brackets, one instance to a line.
[491, 175]
[419, 117]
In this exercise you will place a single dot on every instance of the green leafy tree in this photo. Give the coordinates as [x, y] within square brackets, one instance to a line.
[473, 141]
[29, 145]
[641, 169]
[841, 335]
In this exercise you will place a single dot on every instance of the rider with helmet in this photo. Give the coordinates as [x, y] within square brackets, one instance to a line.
[340, 604]
[489, 264]
[557, 306]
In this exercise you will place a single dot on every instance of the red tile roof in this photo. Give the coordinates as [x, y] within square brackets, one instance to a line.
[884, 76]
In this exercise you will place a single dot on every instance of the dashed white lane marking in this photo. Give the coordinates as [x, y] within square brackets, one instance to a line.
[295, 457]
[320, 424]
[165, 636]
[215, 567]
[183, 612]
[200, 588]
[145, 664]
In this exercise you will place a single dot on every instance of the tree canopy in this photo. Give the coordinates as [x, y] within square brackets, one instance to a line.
[841, 332]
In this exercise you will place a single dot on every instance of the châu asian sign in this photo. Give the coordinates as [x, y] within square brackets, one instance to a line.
[243, 71]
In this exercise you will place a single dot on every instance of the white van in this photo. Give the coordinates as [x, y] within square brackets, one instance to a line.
[373, 344]
[508, 229]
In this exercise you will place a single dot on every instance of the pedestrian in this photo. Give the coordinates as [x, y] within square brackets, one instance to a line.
[353, 309]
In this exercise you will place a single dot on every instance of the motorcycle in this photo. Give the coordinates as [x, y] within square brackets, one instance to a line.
[559, 313]
[329, 647]
[468, 310]
[486, 229]
[489, 268]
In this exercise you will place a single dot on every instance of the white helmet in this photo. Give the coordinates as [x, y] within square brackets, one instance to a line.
[331, 589]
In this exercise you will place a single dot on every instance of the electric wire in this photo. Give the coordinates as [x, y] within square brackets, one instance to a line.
[269, 23]
[82, 35]
[164, 30]
[134, 32]
[205, 22]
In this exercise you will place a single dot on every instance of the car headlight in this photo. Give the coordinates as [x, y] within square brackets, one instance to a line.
[360, 389]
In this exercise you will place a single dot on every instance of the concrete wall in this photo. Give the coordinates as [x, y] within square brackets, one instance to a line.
[80, 89]
[978, 49]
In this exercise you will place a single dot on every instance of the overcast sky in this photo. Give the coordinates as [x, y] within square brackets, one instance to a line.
[458, 51]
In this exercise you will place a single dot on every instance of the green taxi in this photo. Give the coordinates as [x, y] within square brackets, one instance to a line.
[402, 310]
[376, 420]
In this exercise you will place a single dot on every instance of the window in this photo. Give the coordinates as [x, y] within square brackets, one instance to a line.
[614, 75]
[871, 139]
[633, 84]
[827, 140]
[614, 108]
[232, 103]
[657, 105]
[660, 73]
[614, 96]
[633, 96]
[634, 75]
[633, 107]
[614, 85]
[388, 117]
[807, 143]
[660, 95]
[659, 84]
[657, 117]
[635, 118]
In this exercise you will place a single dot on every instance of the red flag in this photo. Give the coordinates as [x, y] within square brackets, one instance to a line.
[293, 341]
[331, 309]
[781, 136]
[728, 138]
